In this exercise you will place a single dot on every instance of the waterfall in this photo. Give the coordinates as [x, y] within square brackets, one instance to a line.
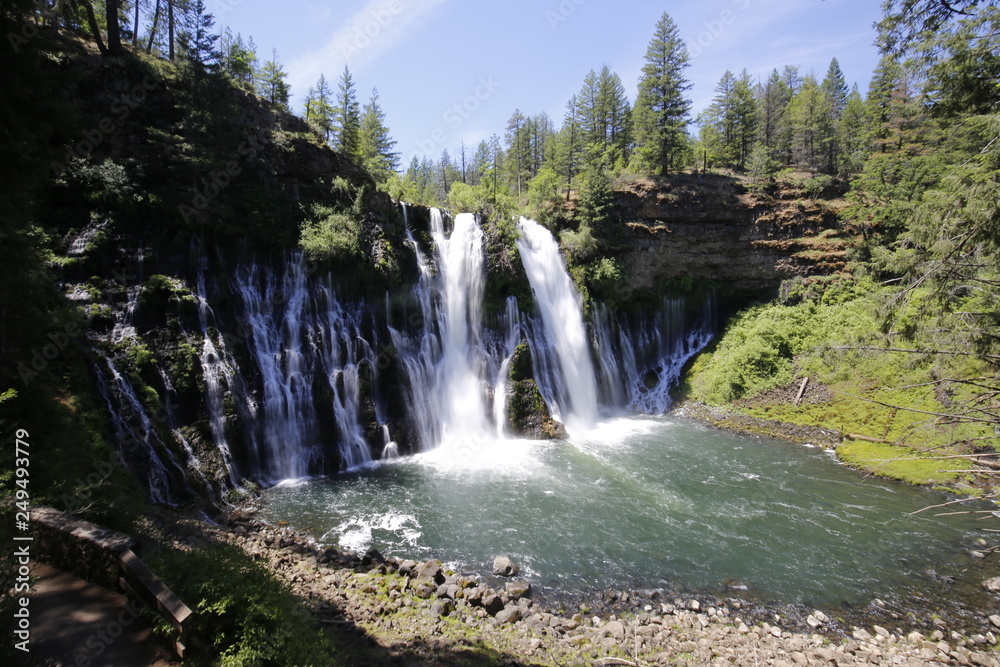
[512, 324]
[446, 362]
[460, 260]
[305, 386]
[135, 429]
[274, 315]
[573, 391]
[345, 352]
[219, 370]
[641, 361]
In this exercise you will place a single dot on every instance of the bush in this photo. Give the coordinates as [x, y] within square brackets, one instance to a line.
[331, 236]
[245, 616]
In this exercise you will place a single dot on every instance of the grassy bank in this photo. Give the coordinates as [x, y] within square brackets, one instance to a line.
[901, 409]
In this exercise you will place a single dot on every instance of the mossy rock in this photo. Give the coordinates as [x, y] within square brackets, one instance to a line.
[526, 413]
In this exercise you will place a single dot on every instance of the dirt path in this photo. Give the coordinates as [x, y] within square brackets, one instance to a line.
[75, 622]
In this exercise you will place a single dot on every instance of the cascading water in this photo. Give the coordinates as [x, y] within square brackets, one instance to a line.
[640, 362]
[344, 351]
[446, 363]
[134, 428]
[299, 387]
[219, 370]
[275, 319]
[573, 391]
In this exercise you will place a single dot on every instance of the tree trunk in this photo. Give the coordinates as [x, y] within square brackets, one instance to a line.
[170, 28]
[152, 32]
[94, 28]
[114, 29]
[135, 28]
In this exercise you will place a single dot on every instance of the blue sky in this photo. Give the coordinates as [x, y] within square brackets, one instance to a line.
[449, 71]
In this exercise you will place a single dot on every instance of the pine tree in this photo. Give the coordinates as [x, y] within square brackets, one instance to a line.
[197, 39]
[808, 112]
[480, 163]
[834, 90]
[518, 150]
[238, 59]
[347, 116]
[568, 146]
[661, 110]
[730, 123]
[853, 132]
[272, 84]
[374, 143]
[112, 21]
[773, 97]
[318, 109]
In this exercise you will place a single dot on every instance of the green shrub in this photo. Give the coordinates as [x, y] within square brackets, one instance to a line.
[331, 236]
[245, 616]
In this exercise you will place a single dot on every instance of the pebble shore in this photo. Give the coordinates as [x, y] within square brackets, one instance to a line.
[399, 604]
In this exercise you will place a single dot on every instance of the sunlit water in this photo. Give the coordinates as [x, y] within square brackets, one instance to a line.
[645, 503]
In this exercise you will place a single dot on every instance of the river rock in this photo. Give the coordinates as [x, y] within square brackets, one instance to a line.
[406, 568]
[509, 615]
[504, 567]
[429, 572]
[613, 629]
[992, 585]
[492, 603]
[442, 607]
[518, 589]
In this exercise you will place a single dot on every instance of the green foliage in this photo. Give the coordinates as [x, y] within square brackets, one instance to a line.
[596, 199]
[544, 198]
[245, 616]
[763, 347]
[661, 110]
[466, 198]
[375, 146]
[330, 236]
[579, 244]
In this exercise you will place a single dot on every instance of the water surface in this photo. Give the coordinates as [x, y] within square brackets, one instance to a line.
[646, 502]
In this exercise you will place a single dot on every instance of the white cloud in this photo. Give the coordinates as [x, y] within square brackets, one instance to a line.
[370, 32]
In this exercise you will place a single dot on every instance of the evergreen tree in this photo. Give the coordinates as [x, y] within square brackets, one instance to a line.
[318, 109]
[197, 39]
[542, 137]
[661, 110]
[374, 143]
[884, 80]
[518, 141]
[853, 133]
[272, 84]
[480, 163]
[347, 116]
[834, 89]
[808, 112]
[773, 98]
[238, 59]
[568, 146]
[730, 123]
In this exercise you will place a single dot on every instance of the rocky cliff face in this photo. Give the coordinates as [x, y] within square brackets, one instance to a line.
[709, 228]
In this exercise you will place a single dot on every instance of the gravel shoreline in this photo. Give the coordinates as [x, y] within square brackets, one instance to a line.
[402, 604]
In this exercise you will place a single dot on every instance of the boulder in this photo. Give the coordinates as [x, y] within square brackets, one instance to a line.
[503, 566]
[492, 603]
[992, 585]
[509, 615]
[429, 572]
[442, 607]
[526, 413]
[518, 589]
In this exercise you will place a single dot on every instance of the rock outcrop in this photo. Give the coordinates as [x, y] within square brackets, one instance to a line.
[708, 228]
[526, 413]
